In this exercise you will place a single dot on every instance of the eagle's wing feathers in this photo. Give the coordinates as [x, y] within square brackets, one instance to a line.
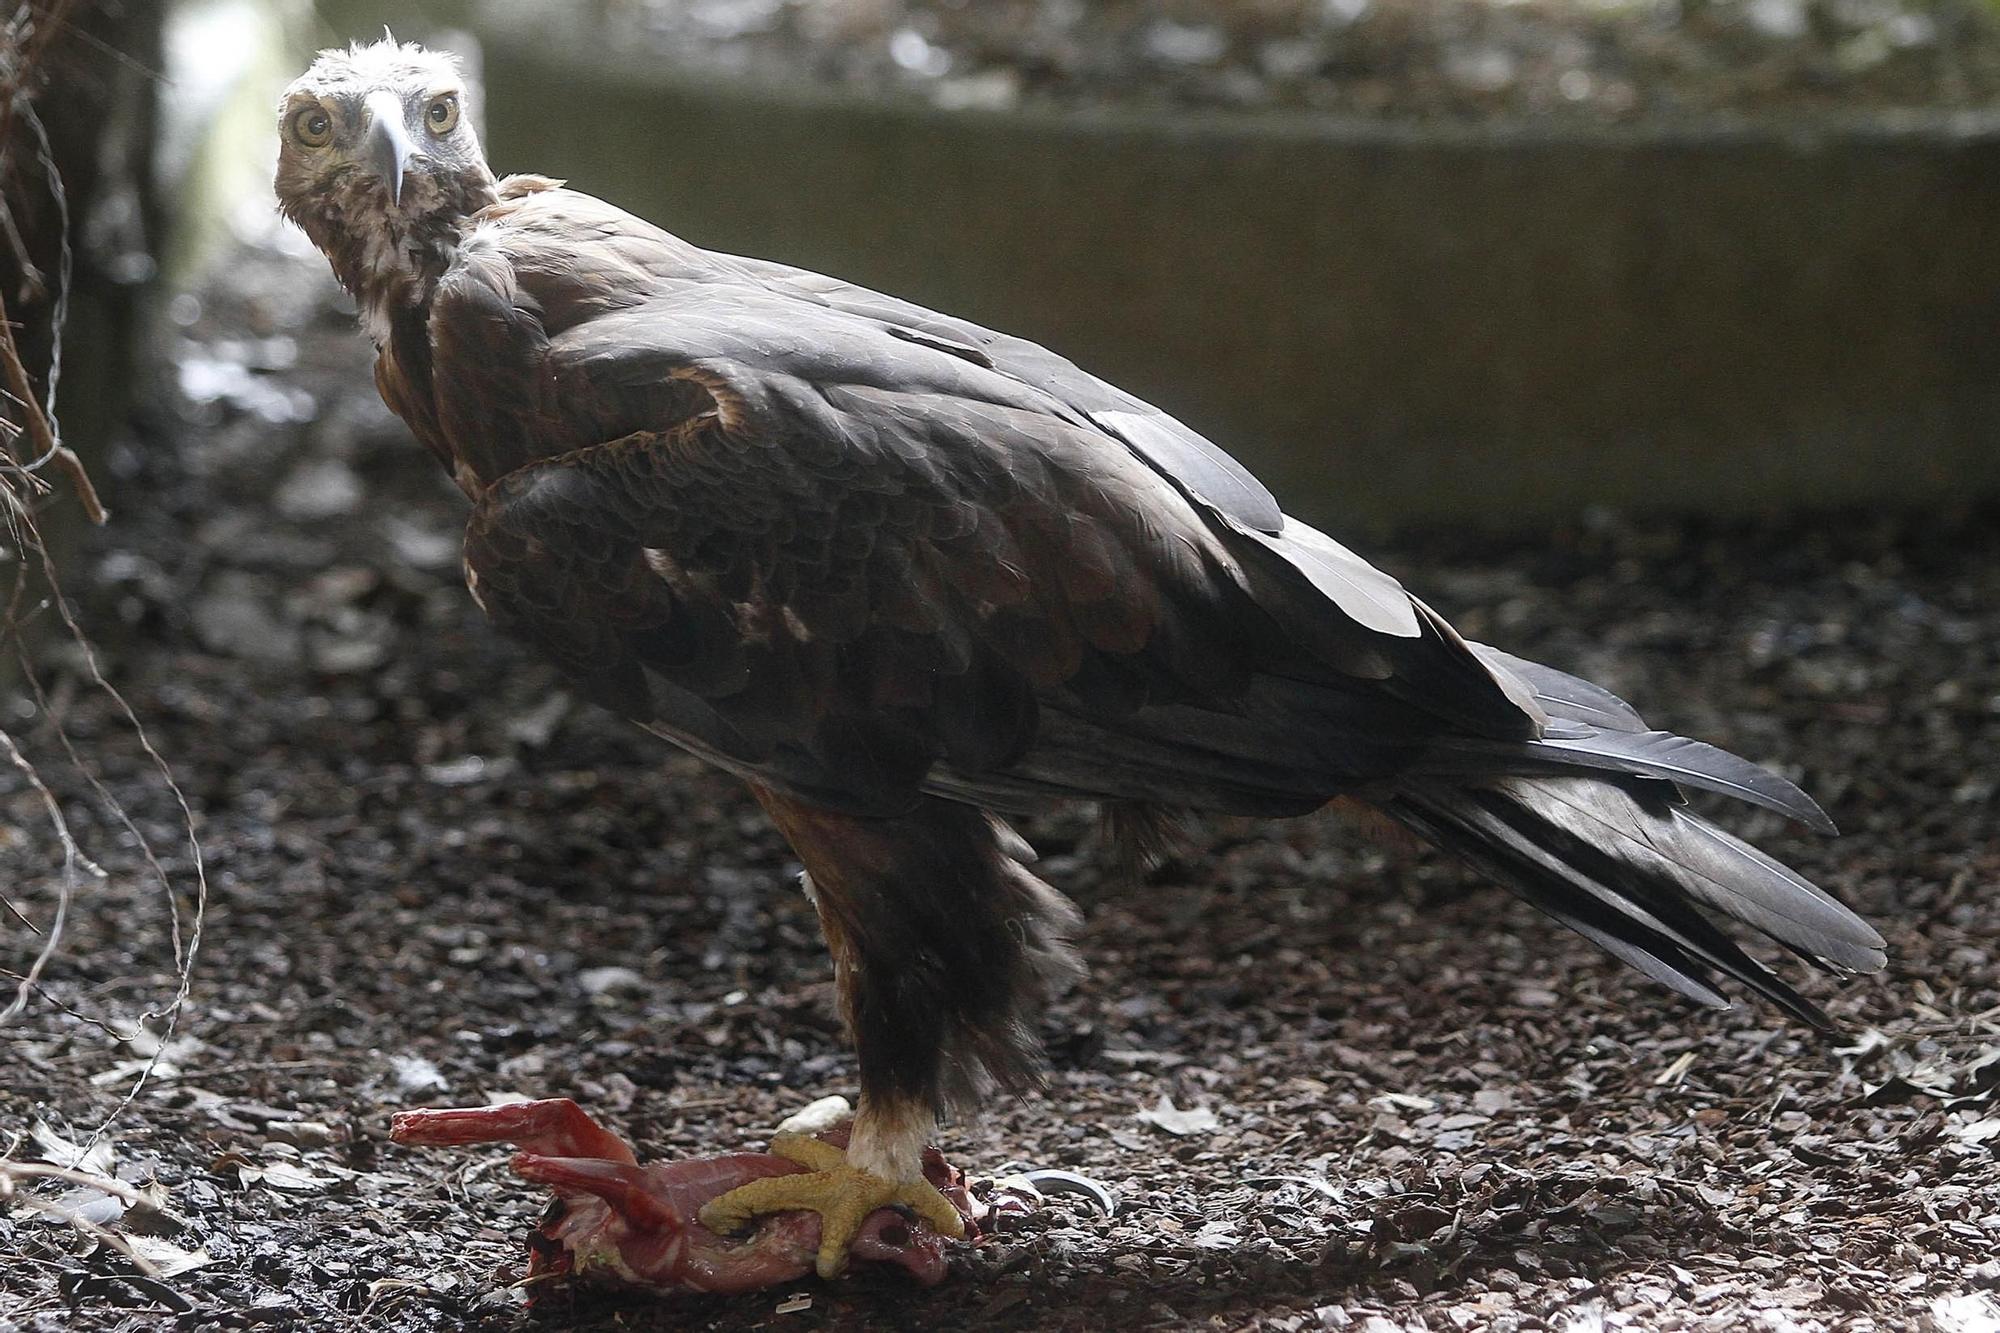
[1320, 591]
[855, 549]
[829, 581]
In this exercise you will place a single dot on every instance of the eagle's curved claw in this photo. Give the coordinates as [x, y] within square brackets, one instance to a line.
[842, 1194]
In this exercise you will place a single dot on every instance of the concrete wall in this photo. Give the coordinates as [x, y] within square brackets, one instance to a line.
[1385, 323]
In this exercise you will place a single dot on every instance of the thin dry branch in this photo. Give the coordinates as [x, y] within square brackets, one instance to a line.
[182, 950]
[37, 420]
[69, 1010]
[12, 1172]
[72, 858]
[184, 957]
[47, 447]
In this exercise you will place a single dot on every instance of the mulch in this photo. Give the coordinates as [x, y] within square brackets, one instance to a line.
[1415, 1103]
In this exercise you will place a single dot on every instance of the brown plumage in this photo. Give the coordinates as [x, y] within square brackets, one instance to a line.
[903, 574]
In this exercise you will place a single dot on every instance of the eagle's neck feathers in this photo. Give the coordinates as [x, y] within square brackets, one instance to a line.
[397, 268]
[391, 261]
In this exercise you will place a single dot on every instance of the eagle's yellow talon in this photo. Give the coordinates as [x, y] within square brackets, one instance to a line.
[811, 1153]
[841, 1194]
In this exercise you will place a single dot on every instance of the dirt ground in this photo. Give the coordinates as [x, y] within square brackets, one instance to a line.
[435, 881]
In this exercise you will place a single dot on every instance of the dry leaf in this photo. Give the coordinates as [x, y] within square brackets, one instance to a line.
[1194, 1120]
[1401, 1101]
[1976, 1131]
[71, 1155]
[284, 1176]
[170, 1259]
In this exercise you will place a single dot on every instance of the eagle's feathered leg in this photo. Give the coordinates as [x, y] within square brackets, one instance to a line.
[944, 948]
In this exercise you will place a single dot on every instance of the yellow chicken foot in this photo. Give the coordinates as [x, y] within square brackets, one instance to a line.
[842, 1194]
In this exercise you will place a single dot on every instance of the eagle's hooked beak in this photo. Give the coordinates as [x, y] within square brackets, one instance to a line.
[387, 144]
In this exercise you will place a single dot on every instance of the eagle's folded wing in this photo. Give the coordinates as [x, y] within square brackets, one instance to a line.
[857, 558]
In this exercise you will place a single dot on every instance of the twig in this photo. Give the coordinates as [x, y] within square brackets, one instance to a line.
[31, 276]
[71, 1010]
[103, 1235]
[11, 1170]
[45, 157]
[47, 446]
[71, 856]
[39, 419]
[18, 914]
[110, 803]
[184, 959]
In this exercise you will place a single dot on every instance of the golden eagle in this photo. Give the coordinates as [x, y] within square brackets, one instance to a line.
[905, 575]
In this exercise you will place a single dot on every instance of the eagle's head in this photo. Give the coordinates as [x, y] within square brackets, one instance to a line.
[379, 165]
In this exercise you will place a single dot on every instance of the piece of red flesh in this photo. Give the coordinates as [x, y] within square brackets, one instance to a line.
[642, 1223]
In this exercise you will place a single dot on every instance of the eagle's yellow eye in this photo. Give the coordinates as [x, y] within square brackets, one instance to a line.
[442, 114]
[312, 127]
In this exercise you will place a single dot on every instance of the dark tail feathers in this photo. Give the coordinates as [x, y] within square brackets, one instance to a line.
[1621, 861]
